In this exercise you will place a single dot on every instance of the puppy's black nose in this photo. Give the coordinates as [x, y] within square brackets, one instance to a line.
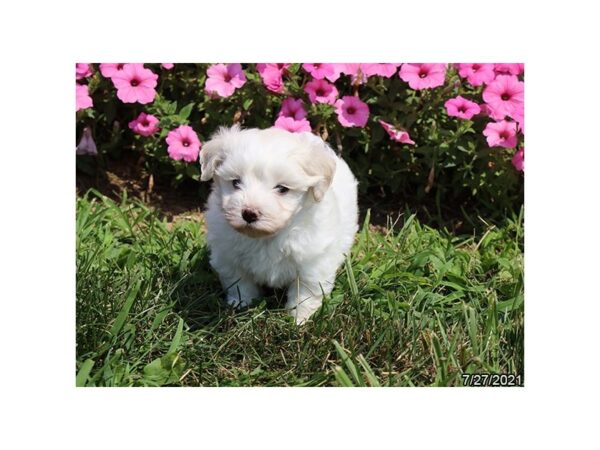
[249, 216]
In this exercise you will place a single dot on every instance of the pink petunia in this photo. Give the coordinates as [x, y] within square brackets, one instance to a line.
[382, 70]
[86, 145]
[183, 144]
[260, 67]
[291, 125]
[505, 96]
[320, 70]
[423, 76]
[396, 134]
[293, 108]
[356, 71]
[352, 111]
[82, 97]
[167, 66]
[509, 69]
[320, 91]
[501, 134]
[108, 70]
[82, 71]
[518, 160]
[223, 79]
[477, 73]
[135, 84]
[144, 124]
[461, 107]
[272, 76]
[520, 119]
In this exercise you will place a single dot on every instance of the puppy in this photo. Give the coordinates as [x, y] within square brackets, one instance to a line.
[282, 213]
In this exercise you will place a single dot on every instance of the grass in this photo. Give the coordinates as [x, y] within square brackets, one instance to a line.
[412, 306]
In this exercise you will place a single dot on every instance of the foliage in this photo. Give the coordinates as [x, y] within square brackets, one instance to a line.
[449, 163]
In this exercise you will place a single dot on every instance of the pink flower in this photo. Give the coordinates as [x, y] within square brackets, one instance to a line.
[423, 76]
[291, 125]
[520, 119]
[183, 144]
[223, 79]
[485, 110]
[86, 145]
[320, 70]
[109, 69]
[477, 73]
[144, 124]
[501, 134]
[320, 91]
[519, 160]
[272, 76]
[279, 66]
[505, 96]
[509, 69]
[383, 70]
[82, 71]
[338, 69]
[356, 71]
[360, 72]
[351, 111]
[135, 84]
[82, 97]
[461, 107]
[396, 134]
[167, 66]
[293, 108]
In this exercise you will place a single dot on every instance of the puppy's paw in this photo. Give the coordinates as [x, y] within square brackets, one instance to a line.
[301, 315]
[302, 311]
[235, 301]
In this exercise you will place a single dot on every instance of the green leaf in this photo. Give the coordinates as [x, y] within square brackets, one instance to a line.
[369, 374]
[342, 377]
[84, 373]
[351, 279]
[177, 338]
[349, 364]
[120, 320]
[185, 112]
[165, 370]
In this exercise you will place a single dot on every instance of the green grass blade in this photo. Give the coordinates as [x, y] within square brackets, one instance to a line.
[84, 373]
[176, 342]
[122, 316]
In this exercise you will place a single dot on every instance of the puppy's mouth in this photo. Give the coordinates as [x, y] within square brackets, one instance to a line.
[251, 230]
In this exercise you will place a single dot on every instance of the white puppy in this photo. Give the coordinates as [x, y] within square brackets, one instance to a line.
[282, 213]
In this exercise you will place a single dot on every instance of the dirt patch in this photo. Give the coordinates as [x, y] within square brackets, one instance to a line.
[111, 177]
[128, 174]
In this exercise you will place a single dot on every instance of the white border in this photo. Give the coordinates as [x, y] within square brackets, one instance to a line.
[43, 40]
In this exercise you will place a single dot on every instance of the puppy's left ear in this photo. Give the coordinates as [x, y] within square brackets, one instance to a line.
[319, 163]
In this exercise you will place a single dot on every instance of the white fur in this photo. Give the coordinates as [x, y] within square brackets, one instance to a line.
[300, 238]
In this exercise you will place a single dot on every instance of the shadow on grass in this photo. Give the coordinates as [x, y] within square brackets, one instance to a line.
[200, 299]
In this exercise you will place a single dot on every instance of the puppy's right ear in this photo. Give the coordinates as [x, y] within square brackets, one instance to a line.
[213, 152]
[211, 156]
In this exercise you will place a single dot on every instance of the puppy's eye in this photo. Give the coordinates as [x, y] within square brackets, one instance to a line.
[281, 189]
[236, 183]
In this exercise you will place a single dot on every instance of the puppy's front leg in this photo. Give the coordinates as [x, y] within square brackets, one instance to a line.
[240, 291]
[304, 298]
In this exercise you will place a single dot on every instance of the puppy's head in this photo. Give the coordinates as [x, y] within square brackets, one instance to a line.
[264, 177]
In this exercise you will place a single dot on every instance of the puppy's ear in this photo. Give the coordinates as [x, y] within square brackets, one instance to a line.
[318, 161]
[211, 156]
[213, 151]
